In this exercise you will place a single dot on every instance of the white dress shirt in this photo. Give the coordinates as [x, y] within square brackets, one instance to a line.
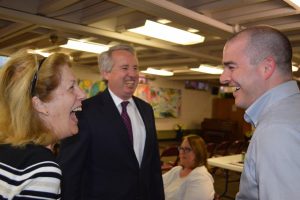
[137, 123]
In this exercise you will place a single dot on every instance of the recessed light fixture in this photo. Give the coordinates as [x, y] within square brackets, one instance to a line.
[159, 72]
[294, 68]
[297, 2]
[294, 3]
[163, 21]
[36, 51]
[192, 30]
[208, 69]
[85, 46]
[167, 33]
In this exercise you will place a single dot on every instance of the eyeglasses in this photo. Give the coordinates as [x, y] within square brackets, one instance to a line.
[35, 78]
[184, 149]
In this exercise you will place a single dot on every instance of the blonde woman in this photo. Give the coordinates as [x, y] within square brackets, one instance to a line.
[38, 100]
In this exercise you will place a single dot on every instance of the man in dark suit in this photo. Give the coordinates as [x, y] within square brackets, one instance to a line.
[107, 160]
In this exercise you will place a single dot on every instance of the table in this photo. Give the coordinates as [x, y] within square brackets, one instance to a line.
[232, 163]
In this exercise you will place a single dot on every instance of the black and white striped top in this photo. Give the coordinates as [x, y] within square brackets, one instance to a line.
[28, 173]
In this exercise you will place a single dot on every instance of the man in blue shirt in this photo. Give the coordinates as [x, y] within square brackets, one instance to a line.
[258, 63]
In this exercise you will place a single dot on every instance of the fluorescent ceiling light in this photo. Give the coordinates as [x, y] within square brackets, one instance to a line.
[44, 54]
[85, 46]
[208, 69]
[159, 72]
[192, 30]
[296, 2]
[163, 21]
[168, 33]
[294, 68]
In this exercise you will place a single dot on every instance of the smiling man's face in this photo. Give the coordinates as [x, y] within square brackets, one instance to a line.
[240, 73]
[124, 76]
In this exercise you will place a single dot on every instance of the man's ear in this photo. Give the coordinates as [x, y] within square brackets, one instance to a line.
[39, 105]
[105, 75]
[269, 66]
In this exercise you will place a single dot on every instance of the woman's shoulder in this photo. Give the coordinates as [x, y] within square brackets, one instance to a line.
[25, 168]
[176, 169]
[200, 172]
[40, 153]
[172, 172]
[27, 156]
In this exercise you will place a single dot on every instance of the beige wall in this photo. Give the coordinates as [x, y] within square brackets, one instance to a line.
[195, 106]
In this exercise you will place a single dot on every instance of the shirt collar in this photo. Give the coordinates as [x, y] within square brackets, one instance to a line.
[262, 104]
[117, 100]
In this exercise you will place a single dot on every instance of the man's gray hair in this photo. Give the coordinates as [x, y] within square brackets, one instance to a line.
[105, 61]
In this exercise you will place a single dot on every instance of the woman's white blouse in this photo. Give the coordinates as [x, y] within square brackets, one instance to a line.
[197, 185]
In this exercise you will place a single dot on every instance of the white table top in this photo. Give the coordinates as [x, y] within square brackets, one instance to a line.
[227, 162]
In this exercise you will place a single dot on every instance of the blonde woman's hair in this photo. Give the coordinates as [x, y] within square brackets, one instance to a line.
[20, 123]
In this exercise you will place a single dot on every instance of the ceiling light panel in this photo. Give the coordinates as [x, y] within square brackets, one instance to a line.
[168, 33]
[85, 46]
[159, 72]
[208, 69]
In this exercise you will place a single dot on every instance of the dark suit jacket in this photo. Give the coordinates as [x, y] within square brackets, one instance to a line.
[99, 162]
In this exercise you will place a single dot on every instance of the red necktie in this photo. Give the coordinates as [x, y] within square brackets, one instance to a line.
[126, 120]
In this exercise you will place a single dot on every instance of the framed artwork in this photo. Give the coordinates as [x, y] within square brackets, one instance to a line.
[91, 88]
[166, 102]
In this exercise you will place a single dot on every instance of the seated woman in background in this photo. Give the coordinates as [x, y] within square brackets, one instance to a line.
[191, 179]
[38, 101]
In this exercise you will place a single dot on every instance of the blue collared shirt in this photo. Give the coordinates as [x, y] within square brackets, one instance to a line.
[272, 164]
